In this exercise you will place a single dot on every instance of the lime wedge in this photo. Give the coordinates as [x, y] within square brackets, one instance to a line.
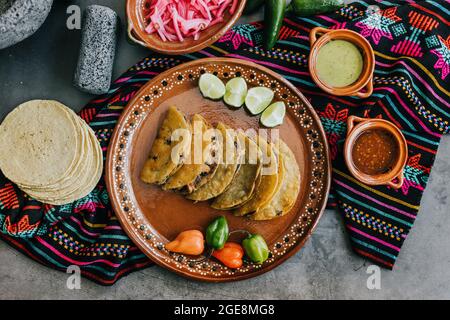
[211, 87]
[236, 91]
[258, 99]
[273, 115]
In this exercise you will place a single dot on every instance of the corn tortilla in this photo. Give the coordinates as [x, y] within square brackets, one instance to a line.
[159, 165]
[189, 176]
[225, 171]
[72, 177]
[285, 198]
[39, 143]
[269, 180]
[90, 179]
[244, 182]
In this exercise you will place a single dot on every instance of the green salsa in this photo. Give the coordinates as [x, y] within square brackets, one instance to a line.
[339, 63]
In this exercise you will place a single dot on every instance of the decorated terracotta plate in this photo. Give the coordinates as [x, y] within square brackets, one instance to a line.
[152, 216]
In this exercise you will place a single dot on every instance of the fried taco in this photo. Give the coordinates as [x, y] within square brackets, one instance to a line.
[167, 155]
[246, 179]
[270, 177]
[284, 199]
[232, 151]
[202, 163]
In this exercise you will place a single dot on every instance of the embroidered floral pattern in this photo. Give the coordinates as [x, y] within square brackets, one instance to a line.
[376, 25]
[443, 54]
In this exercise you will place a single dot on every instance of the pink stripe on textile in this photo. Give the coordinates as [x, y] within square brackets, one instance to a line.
[417, 76]
[122, 80]
[273, 65]
[113, 228]
[374, 200]
[112, 114]
[82, 228]
[150, 73]
[328, 19]
[373, 238]
[302, 37]
[125, 79]
[297, 25]
[411, 113]
[206, 53]
[79, 263]
[99, 100]
[118, 275]
[323, 94]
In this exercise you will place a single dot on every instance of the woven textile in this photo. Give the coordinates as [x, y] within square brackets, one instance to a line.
[411, 88]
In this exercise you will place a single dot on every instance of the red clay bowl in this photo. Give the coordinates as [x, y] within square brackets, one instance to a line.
[363, 87]
[137, 24]
[394, 177]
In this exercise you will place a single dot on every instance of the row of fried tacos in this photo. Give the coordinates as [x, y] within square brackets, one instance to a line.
[257, 179]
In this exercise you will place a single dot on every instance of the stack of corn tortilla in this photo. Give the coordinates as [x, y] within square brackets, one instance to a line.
[50, 152]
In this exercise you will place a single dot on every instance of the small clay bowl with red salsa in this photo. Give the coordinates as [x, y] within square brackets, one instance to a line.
[136, 13]
[375, 151]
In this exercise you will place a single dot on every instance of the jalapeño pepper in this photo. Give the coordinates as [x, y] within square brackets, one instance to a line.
[217, 233]
[256, 248]
[273, 19]
[305, 8]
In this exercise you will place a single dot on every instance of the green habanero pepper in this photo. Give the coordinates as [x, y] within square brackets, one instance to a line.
[305, 8]
[273, 19]
[217, 233]
[256, 248]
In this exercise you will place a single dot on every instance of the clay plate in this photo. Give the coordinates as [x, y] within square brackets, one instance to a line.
[151, 216]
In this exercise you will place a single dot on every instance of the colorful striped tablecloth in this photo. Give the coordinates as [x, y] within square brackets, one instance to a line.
[411, 88]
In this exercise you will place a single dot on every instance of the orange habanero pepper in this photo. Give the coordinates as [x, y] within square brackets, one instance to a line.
[230, 255]
[188, 242]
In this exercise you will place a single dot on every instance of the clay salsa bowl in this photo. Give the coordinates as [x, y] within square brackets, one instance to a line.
[363, 87]
[137, 24]
[357, 126]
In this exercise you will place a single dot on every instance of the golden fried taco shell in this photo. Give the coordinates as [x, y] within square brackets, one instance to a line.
[226, 170]
[285, 197]
[245, 181]
[160, 165]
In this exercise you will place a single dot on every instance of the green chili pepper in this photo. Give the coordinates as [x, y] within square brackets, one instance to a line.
[310, 7]
[217, 233]
[256, 248]
[273, 19]
[252, 5]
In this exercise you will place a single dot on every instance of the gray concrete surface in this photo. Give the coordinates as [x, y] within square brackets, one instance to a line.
[42, 67]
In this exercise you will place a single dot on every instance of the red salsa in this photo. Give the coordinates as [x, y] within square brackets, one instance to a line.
[375, 152]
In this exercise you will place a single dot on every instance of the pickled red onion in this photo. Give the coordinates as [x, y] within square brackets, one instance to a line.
[176, 20]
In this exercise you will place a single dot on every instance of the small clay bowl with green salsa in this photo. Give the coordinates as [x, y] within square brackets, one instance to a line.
[341, 62]
[375, 151]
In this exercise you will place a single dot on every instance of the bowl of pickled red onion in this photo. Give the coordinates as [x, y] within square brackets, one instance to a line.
[180, 26]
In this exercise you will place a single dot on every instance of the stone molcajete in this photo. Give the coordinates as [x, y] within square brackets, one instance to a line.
[19, 19]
